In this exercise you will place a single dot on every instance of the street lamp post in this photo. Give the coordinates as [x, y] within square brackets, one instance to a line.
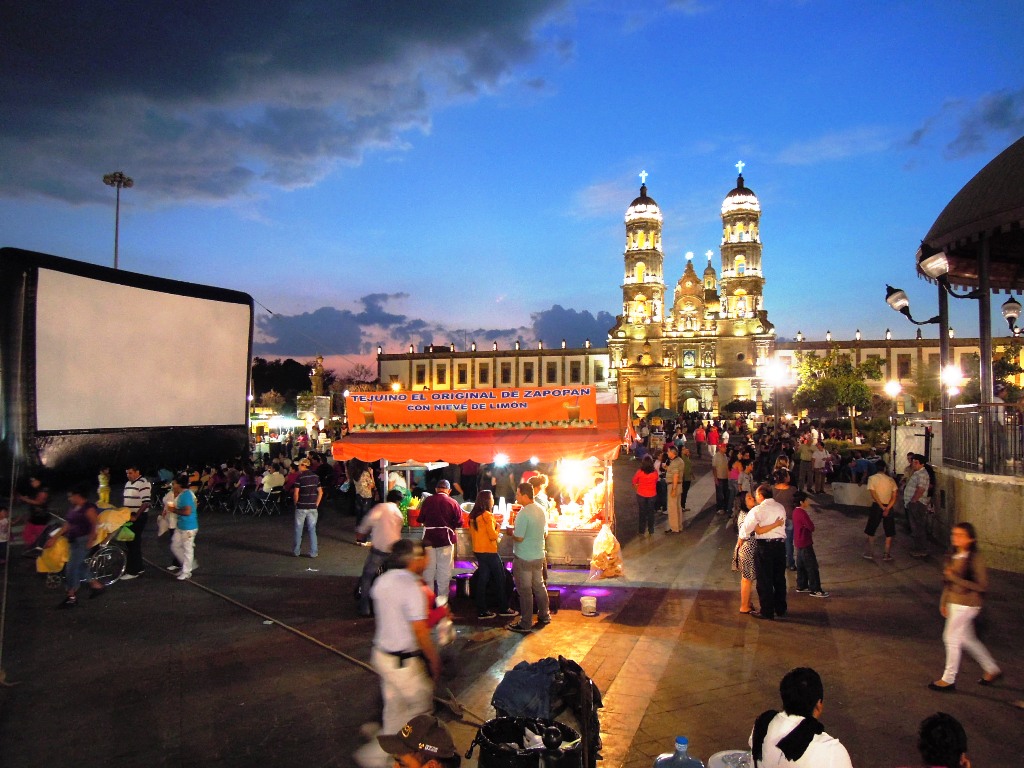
[118, 180]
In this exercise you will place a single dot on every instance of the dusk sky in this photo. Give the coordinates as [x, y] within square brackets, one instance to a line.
[408, 172]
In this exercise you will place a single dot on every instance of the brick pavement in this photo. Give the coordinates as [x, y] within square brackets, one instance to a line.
[160, 673]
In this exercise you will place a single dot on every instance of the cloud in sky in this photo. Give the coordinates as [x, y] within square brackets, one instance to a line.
[1000, 113]
[208, 101]
[601, 200]
[838, 145]
[553, 325]
[331, 331]
[985, 124]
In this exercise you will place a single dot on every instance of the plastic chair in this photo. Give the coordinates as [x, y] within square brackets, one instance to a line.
[265, 505]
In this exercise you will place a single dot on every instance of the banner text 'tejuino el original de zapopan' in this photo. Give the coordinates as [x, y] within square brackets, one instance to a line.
[519, 408]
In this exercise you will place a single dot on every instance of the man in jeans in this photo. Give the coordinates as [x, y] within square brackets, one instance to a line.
[528, 563]
[307, 494]
[915, 496]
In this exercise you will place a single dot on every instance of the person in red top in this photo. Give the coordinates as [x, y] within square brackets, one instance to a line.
[807, 578]
[713, 437]
[700, 437]
[645, 481]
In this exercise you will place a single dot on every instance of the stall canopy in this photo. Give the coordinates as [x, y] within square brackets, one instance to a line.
[519, 445]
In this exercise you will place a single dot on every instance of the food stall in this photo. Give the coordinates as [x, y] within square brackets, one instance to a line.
[563, 426]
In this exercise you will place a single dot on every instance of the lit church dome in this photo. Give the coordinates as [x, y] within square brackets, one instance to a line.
[740, 199]
[643, 207]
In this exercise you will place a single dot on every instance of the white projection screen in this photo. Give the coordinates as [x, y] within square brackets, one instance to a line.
[111, 356]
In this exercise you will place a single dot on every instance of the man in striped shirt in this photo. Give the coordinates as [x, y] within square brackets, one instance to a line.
[136, 498]
[307, 494]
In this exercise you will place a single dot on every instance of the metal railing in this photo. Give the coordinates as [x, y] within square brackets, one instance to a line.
[983, 438]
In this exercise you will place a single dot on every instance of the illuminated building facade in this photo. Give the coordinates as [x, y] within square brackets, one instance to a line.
[707, 342]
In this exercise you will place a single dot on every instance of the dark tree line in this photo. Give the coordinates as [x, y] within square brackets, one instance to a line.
[288, 378]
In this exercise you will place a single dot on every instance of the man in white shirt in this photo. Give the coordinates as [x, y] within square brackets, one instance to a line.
[137, 492]
[819, 458]
[404, 654]
[273, 479]
[383, 525]
[794, 737]
[915, 497]
[767, 524]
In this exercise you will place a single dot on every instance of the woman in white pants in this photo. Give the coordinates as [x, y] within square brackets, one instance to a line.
[965, 582]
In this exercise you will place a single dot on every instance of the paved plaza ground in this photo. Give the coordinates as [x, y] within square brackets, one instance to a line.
[164, 673]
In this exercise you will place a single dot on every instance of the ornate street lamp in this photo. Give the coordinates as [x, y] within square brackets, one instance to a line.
[118, 180]
[1011, 311]
[897, 299]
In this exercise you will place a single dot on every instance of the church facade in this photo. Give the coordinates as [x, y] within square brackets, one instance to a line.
[699, 342]
[692, 343]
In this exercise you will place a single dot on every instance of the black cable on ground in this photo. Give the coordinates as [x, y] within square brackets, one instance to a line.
[452, 704]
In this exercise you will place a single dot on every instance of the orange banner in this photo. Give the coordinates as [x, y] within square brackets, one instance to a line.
[522, 408]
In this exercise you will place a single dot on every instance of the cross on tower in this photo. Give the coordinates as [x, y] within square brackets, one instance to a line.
[709, 254]
[739, 166]
[643, 177]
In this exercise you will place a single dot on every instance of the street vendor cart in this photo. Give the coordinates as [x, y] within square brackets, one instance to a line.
[406, 430]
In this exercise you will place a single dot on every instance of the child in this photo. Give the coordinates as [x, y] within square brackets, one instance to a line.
[807, 578]
[5, 532]
[103, 491]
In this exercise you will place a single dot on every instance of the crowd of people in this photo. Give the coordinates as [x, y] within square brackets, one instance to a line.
[765, 481]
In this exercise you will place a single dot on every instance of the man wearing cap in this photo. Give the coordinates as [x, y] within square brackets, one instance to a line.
[423, 740]
[307, 494]
[404, 654]
[440, 515]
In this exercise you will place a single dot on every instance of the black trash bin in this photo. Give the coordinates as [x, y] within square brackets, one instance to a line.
[501, 741]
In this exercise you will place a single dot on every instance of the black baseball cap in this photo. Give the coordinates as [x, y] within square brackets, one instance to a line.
[424, 733]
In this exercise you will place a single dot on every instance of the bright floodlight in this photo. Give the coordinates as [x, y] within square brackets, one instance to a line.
[893, 389]
[777, 373]
[501, 459]
[952, 376]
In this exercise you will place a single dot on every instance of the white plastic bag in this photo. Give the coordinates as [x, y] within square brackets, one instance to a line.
[606, 559]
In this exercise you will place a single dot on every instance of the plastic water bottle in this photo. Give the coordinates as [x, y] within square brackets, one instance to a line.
[679, 758]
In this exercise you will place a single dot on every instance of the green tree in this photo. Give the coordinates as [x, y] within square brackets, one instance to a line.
[272, 399]
[834, 382]
[925, 387]
[1004, 368]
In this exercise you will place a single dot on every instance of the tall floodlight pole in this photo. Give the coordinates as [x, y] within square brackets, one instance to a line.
[118, 180]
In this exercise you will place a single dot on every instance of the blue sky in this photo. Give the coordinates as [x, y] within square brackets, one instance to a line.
[397, 173]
